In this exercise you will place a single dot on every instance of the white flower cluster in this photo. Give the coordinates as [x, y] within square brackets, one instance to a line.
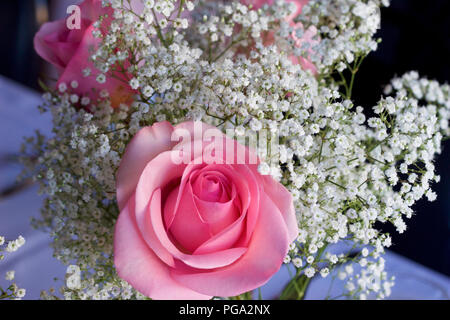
[359, 173]
[13, 245]
[346, 173]
[346, 29]
[369, 277]
[217, 23]
[12, 292]
[76, 169]
[86, 289]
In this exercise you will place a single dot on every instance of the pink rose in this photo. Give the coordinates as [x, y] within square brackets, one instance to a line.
[307, 37]
[208, 226]
[70, 50]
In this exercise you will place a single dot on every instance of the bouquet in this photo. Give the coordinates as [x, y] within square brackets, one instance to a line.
[199, 145]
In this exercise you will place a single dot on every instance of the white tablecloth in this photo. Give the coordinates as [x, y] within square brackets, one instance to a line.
[36, 268]
[34, 265]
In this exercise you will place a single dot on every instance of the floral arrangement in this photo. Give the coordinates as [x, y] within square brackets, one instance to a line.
[199, 145]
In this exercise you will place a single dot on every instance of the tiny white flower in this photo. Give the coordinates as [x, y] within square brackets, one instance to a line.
[10, 275]
[134, 83]
[101, 78]
[189, 5]
[62, 87]
[298, 263]
[147, 91]
[324, 272]
[21, 293]
[365, 252]
[309, 272]
[287, 259]
[264, 169]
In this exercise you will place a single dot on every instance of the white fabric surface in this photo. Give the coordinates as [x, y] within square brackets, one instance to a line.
[34, 265]
[36, 268]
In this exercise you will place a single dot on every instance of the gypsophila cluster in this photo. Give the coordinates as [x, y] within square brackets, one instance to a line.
[346, 29]
[76, 169]
[212, 62]
[12, 291]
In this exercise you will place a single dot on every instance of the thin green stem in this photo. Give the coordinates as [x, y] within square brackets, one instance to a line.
[158, 29]
[232, 43]
[296, 289]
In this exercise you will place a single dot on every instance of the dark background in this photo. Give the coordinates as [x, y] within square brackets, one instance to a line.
[416, 36]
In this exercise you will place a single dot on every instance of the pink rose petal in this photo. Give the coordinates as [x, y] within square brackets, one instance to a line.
[136, 263]
[266, 251]
[145, 145]
[187, 227]
[282, 198]
[217, 259]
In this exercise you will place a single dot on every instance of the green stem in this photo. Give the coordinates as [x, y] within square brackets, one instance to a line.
[180, 8]
[296, 289]
[228, 48]
[244, 296]
[350, 87]
[158, 29]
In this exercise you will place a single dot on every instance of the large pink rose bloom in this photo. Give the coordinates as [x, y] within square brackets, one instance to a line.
[307, 36]
[70, 50]
[197, 228]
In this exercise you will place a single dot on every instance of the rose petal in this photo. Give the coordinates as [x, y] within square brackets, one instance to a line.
[43, 45]
[217, 259]
[188, 228]
[217, 215]
[169, 214]
[92, 9]
[119, 90]
[157, 174]
[148, 232]
[139, 266]
[267, 249]
[249, 204]
[211, 186]
[283, 200]
[145, 145]
[226, 238]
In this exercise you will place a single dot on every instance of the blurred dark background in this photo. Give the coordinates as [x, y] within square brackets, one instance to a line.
[18, 23]
[415, 36]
